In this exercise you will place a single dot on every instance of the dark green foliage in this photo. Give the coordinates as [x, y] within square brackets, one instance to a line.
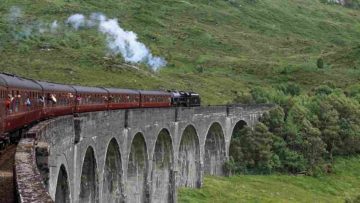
[320, 63]
[243, 98]
[323, 90]
[290, 89]
[353, 200]
[352, 4]
[306, 131]
[275, 120]
[259, 95]
[251, 150]
[354, 92]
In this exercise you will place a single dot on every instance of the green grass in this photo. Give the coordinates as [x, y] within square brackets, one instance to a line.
[212, 47]
[343, 183]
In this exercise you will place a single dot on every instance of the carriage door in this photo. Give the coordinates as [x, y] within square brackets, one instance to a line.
[3, 96]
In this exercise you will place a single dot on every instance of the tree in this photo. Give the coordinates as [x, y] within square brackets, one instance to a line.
[274, 120]
[251, 150]
[329, 127]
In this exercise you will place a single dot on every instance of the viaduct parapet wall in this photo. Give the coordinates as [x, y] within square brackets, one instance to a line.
[135, 155]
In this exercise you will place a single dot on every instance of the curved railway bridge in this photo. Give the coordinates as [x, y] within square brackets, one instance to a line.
[133, 155]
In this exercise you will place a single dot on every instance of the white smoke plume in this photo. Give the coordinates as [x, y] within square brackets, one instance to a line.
[119, 41]
[15, 14]
[126, 43]
[42, 28]
[76, 21]
[20, 30]
[342, 2]
[54, 26]
[95, 19]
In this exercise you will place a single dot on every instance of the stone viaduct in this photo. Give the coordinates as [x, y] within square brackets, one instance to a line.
[135, 155]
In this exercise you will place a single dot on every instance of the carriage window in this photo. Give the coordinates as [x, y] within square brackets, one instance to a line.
[60, 99]
[17, 101]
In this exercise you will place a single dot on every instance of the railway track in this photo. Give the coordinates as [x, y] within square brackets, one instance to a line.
[7, 188]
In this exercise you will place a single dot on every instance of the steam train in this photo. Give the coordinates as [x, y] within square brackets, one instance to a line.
[24, 101]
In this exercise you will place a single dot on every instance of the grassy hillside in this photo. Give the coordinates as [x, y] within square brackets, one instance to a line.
[213, 47]
[343, 184]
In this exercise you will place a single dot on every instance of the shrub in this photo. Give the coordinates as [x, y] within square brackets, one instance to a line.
[320, 63]
[323, 90]
[290, 89]
[243, 98]
[353, 200]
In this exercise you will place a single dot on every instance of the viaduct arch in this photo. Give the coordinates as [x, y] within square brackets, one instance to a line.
[139, 155]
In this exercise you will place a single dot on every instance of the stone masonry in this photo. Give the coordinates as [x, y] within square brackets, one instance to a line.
[137, 155]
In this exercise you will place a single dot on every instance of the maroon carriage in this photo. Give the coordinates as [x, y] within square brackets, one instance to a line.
[57, 99]
[155, 99]
[90, 99]
[4, 103]
[21, 102]
[123, 98]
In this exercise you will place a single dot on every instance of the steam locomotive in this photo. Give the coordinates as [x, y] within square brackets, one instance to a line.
[24, 101]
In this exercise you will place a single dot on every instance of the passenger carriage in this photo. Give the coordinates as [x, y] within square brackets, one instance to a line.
[57, 99]
[23, 106]
[90, 99]
[3, 97]
[155, 99]
[123, 98]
